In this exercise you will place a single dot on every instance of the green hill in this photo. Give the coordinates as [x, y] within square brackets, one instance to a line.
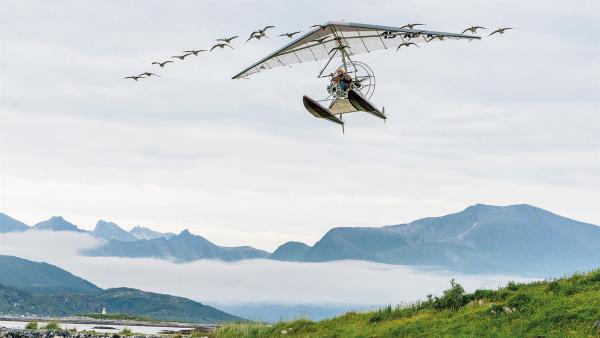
[33, 288]
[559, 308]
[41, 277]
[119, 300]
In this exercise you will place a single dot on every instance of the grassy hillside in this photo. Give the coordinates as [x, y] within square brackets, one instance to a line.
[38, 277]
[559, 308]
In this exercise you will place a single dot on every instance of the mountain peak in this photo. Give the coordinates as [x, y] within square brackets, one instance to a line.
[105, 224]
[186, 233]
[481, 207]
[110, 231]
[57, 223]
[146, 233]
[291, 251]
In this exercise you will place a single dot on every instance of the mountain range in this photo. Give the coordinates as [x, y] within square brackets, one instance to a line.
[34, 288]
[482, 238]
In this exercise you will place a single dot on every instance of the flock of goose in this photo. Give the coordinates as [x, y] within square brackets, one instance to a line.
[262, 33]
[430, 37]
[220, 43]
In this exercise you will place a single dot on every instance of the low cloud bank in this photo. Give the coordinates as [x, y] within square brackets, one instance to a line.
[355, 283]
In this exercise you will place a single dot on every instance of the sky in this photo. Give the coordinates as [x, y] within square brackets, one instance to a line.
[512, 118]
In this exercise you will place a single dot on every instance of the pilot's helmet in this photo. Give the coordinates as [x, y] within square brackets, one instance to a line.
[341, 70]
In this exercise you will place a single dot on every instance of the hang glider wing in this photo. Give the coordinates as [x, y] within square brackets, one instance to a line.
[321, 42]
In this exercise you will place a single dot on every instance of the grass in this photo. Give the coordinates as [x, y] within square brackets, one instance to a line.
[566, 307]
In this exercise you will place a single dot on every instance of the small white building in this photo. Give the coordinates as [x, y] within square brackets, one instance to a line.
[103, 310]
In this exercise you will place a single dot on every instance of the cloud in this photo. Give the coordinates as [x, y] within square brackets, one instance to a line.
[350, 283]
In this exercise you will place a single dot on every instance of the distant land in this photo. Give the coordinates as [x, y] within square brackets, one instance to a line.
[516, 239]
[41, 289]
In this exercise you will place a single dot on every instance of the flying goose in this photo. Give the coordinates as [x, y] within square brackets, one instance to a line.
[148, 74]
[433, 37]
[406, 44]
[473, 29]
[500, 30]
[263, 31]
[227, 40]
[255, 35]
[181, 57]
[220, 45]
[289, 35]
[134, 77]
[320, 40]
[195, 52]
[340, 48]
[319, 26]
[161, 64]
[412, 26]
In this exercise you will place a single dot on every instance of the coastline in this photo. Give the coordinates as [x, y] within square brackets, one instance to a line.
[103, 322]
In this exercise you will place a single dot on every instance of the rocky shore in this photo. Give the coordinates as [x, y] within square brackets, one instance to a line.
[123, 322]
[22, 333]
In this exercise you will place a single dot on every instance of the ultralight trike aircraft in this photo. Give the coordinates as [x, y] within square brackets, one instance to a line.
[353, 83]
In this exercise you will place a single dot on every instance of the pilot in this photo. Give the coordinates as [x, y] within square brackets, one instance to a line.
[342, 79]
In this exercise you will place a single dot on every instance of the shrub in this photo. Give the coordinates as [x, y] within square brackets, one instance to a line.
[31, 326]
[53, 325]
[452, 299]
[376, 318]
[519, 301]
[497, 309]
[512, 286]
[570, 289]
[483, 294]
[553, 287]
[126, 332]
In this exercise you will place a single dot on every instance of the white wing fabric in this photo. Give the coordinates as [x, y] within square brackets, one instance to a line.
[321, 42]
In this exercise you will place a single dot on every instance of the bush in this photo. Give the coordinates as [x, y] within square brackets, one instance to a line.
[512, 286]
[592, 278]
[376, 318]
[452, 299]
[31, 326]
[126, 332]
[53, 325]
[553, 287]
[519, 301]
[497, 309]
[483, 294]
[570, 289]
[563, 289]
